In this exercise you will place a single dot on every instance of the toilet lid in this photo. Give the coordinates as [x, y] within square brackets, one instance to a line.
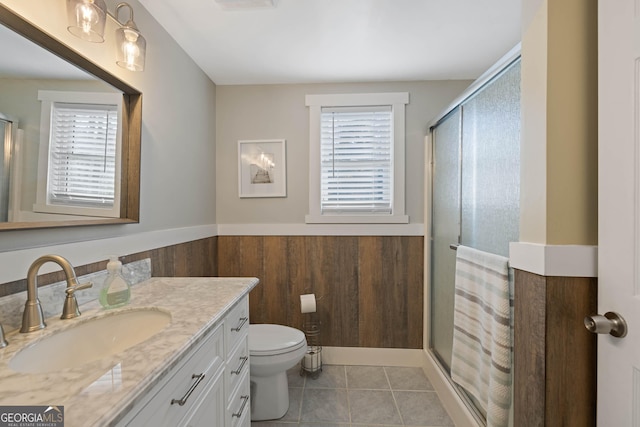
[265, 340]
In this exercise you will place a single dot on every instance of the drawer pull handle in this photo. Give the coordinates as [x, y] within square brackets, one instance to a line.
[193, 387]
[237, 371]
[239, 413]
[243, 320]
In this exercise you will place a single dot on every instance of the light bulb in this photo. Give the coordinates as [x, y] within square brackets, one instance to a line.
[130, 49]
[86, 17]
[131, 52]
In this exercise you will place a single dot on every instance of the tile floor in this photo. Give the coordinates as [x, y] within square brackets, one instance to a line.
[361, 396]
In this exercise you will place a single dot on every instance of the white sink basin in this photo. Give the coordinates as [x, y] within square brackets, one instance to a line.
[91, 340]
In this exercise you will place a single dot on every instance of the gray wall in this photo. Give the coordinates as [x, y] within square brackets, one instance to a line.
[279, 111]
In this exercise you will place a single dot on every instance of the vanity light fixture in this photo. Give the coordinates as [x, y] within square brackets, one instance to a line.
[131, 46]
[86, 20]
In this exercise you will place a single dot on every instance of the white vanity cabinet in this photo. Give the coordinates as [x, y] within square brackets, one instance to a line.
[209, 386]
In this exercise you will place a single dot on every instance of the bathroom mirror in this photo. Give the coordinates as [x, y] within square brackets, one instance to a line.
[37, 70]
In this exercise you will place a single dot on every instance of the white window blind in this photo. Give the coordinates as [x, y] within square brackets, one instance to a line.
[356, 158]
[82, 155]
[356, 151]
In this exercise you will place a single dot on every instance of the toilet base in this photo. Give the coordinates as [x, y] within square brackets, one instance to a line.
[269, 397]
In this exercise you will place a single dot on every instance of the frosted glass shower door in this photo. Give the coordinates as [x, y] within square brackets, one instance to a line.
[475, 190]
[491, 165]
[445, 231]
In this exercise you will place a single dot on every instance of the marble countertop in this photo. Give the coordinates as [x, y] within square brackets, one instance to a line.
[100, 393]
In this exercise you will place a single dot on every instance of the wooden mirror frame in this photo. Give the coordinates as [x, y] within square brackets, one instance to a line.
[131, 127]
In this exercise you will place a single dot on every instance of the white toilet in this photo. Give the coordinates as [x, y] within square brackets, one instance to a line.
[273, 349]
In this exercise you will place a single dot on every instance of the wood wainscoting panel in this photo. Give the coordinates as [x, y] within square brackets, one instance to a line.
[529, 348]
[369, 289]
[571, 352]
[554, 355]
[240, 259]
[390, 311]
[197, 258]
[333, 278]
[275, 269]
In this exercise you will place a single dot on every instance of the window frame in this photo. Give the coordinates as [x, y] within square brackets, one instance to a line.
[397, 101]
[48, 98]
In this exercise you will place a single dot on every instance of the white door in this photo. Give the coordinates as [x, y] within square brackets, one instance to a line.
[619, 209]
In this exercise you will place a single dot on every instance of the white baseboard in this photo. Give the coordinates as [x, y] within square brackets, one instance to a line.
[371, 356]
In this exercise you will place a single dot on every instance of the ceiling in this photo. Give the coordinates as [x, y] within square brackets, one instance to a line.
[318, 41]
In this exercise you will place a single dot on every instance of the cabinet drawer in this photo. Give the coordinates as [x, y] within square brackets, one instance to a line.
[210, 410]
[185, 385]
[236, 324]
[237, 364]
[239, 409]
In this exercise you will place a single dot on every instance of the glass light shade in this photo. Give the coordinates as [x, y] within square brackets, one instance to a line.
[131, 48]
[86, 19]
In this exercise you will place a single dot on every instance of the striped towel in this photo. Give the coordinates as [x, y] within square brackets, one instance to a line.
[482, 337]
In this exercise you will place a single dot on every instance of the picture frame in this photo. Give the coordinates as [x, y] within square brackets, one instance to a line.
[262, 168]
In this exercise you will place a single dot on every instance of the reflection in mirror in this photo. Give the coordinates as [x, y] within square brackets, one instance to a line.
[71, 142]
[7, 126]
[64, 162]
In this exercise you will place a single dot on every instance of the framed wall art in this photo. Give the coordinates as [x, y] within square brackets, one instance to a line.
[262, 168]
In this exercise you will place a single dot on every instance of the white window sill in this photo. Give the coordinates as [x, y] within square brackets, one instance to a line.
[356, 219]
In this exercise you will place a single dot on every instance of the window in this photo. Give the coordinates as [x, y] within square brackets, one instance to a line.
[356, 159]
[79, 160]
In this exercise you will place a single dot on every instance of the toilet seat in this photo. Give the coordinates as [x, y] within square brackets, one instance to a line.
[271, 340]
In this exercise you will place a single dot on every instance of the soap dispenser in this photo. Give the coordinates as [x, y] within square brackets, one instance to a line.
[116, 291]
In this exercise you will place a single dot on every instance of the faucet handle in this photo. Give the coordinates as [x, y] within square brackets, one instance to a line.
[72, 289]
[70, 308]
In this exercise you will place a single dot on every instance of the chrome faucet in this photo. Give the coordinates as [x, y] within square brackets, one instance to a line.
[32, 317]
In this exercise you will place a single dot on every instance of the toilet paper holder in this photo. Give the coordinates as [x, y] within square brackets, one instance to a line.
[311, 364]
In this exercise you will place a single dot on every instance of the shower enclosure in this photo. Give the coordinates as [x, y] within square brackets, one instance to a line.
[474, 192]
